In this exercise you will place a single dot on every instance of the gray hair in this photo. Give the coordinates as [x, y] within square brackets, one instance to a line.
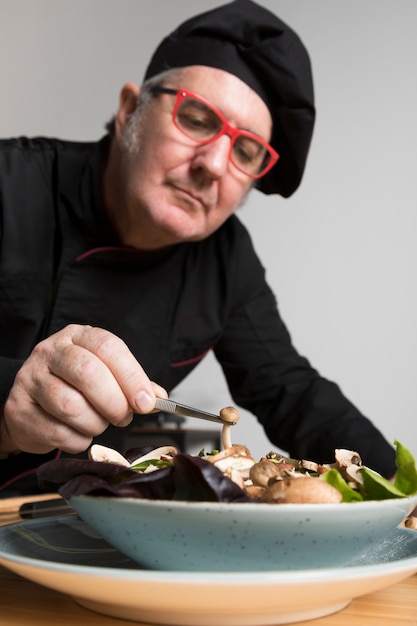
[145, 97]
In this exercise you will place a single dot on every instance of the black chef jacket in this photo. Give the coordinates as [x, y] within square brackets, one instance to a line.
[61, 263]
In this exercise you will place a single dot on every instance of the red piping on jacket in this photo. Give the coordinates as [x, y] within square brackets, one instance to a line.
[84, 255]
[190, 361]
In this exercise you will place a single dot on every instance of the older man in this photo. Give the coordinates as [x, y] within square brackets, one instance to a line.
[122, 262]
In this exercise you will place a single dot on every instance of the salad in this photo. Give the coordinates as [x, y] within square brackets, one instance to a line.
[230, 475]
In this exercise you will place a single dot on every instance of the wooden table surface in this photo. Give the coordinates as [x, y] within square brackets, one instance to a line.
[23, 603]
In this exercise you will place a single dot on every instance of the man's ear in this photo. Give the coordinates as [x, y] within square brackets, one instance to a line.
[127, 104]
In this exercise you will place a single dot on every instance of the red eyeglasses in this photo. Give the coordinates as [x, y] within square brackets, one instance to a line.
[201, 121]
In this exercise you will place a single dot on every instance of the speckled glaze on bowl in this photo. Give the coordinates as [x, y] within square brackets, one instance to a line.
[224, 537]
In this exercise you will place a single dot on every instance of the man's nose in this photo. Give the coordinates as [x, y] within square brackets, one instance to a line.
[213, 157]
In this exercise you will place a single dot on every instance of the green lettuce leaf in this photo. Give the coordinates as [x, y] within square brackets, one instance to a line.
[335, 478]
[406, 475]
[376, 487]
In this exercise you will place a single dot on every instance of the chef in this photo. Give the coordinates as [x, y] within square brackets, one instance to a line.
[123, 262]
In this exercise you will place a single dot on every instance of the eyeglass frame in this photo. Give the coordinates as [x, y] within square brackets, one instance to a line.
[226, 129]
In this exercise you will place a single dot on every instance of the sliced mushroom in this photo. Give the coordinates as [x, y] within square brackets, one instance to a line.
[280, 458]
[164, 453]
[236, 457]
[303, 490]
[235, 475]
[104, 454]
[310, 466]
[238, 463]
[235, 450]
[344, 458]
[350, 457]
[354, 475]
[291, 472]
[411, 522]
[347, 463]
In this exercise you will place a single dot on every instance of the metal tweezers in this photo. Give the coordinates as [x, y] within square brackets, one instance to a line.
[169, 406]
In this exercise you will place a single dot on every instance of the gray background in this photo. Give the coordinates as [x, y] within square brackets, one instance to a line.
[340, 254]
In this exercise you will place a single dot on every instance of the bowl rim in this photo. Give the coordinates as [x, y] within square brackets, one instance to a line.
[254, 506]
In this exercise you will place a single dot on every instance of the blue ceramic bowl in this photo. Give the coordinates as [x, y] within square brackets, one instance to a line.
[223, 537]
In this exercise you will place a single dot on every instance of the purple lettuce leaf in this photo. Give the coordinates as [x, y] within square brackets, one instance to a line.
[190, 478]
[199, 480]
[81, 477]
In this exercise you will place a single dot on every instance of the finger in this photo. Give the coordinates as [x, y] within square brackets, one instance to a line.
[38, 393]
[127, 371]
[34, 430]
[68, 405]
[90, 387]
[67, 393]
[159, 391]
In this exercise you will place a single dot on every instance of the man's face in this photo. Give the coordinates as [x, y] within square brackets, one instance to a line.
[171, 188]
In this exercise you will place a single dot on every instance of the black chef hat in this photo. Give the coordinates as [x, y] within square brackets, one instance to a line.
[248, 41]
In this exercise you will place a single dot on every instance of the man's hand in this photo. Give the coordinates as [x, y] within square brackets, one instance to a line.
[73, 385]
